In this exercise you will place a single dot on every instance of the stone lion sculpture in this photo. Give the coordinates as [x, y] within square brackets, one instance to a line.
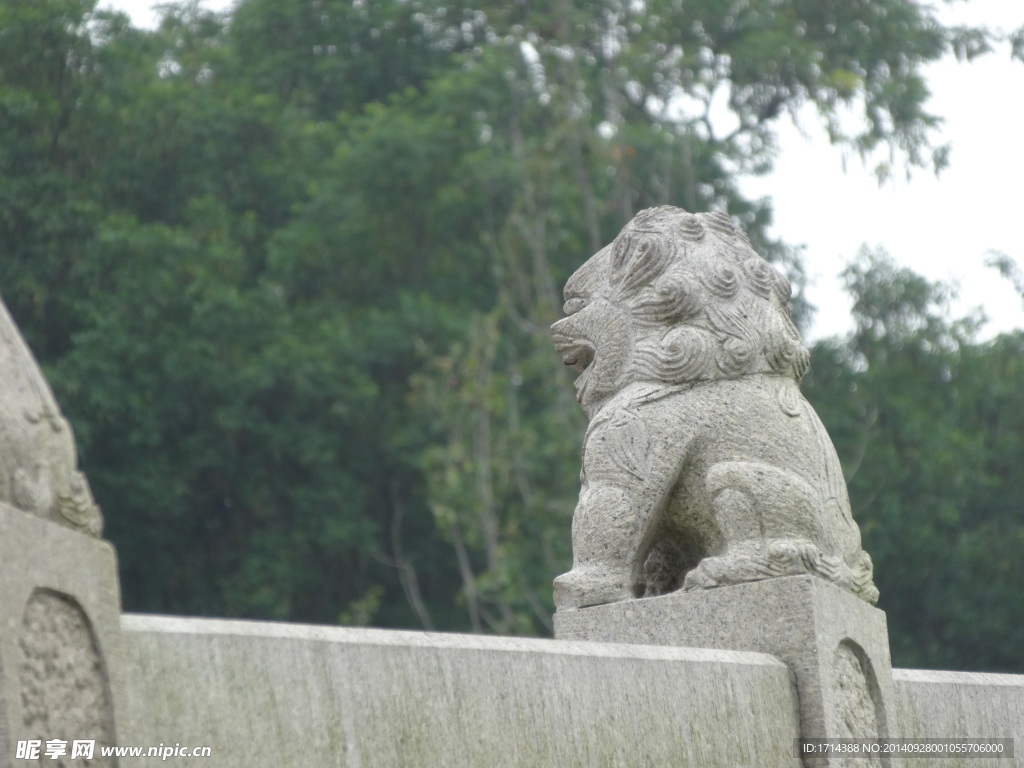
[703, 465]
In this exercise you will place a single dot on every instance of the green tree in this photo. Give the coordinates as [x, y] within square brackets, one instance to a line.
[602, 113]
[927, 422]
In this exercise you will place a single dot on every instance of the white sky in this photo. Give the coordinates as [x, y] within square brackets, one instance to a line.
[941, 228]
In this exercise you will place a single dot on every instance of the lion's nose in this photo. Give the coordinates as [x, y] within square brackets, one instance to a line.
[564, 333]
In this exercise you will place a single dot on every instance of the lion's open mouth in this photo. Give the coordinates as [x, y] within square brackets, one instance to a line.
[579, 355]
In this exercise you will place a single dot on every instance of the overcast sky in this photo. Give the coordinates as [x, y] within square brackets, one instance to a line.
[941, 228]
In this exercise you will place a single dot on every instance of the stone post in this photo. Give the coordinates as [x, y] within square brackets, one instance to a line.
[835, 645]
[59, 596]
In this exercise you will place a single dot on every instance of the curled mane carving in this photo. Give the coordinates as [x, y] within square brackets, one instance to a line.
[673, 270]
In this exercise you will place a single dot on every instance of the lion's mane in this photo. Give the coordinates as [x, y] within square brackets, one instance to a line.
[704, 305]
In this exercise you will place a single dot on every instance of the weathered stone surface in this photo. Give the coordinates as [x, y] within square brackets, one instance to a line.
[291, 695]
[288, 695]
[59, 635]
[39, 467]
[703, 465]
[961, 705]
[836, 645]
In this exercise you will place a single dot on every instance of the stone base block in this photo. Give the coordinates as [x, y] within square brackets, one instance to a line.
[836, 645]
[60, 618]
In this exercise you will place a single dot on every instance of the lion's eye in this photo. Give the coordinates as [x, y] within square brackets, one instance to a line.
[572, 306]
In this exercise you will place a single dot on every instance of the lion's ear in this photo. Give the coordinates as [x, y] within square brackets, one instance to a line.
[638, 259]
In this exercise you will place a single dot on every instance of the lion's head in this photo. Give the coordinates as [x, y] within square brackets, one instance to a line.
[675, 298]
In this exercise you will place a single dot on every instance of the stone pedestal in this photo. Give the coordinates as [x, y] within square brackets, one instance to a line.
[59, 637]
[835, 644]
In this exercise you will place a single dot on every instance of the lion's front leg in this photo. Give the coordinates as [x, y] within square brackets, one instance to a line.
[626, 479]
[605, 539]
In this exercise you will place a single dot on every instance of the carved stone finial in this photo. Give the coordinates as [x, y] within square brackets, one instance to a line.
[38, 462]
[703, 465]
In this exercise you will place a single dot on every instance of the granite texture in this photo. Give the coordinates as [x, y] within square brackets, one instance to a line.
[64, 689]
[703, 465]
[835, 644]
[290, 695]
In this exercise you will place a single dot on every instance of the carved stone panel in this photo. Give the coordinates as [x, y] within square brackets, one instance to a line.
[65, 693]
[857, 695]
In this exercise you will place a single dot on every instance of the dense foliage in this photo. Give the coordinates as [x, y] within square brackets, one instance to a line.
[929, 424]
[290, 272]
